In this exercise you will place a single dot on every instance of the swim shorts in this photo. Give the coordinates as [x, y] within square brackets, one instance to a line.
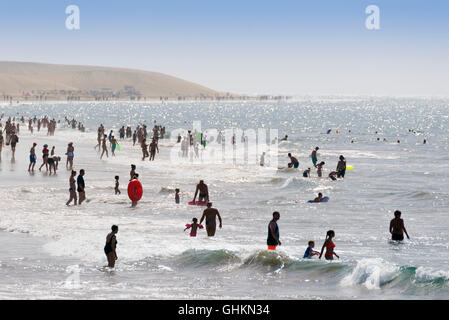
[397, 237]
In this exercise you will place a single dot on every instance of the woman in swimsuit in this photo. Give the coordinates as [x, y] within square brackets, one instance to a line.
[109, 248]
[329, 245]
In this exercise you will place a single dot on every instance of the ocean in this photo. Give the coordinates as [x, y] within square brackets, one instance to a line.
[50, 251]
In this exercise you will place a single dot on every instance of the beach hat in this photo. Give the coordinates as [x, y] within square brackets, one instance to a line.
[45, 145]
[34, 144]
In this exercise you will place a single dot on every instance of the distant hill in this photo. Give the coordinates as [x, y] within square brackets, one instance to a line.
[34, 79]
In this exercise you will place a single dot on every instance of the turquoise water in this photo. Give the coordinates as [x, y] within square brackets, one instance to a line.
[158, 261]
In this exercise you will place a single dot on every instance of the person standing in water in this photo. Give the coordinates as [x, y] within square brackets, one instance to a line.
[81, 186]
[104, 147]
[110, 247]
[329, 245]
[13, 140]
[293, 161]
[203, 192]
[113, 145]
[117, 190]
[211, 215]
[45, 153]
[32, 157]
[177, 200]
[72, 189]
[341, 167]
[70, 155]
[273, 232]
[397, 228]
[314, 156]
[319, 169]
[135, 177]
[132, 172]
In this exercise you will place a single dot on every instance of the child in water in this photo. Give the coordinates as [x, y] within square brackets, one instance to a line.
[177, 196]
[117, 190]
[309, 251]
[194, 227]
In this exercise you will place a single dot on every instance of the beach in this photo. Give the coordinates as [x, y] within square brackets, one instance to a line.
[47, 244]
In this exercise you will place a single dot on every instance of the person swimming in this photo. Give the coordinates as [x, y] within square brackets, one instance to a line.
[194, 226]
[329, 245]
[319, 198]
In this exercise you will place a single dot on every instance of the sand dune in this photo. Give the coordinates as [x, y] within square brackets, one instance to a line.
[17, 78]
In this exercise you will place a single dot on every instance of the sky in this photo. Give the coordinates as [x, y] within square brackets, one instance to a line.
[294, 47]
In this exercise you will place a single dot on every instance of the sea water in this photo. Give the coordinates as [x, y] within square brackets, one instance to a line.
[50, 250]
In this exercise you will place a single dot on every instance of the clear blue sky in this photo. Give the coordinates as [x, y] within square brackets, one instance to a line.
[245, 46]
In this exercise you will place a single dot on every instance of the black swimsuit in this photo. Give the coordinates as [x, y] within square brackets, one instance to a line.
[108, 246]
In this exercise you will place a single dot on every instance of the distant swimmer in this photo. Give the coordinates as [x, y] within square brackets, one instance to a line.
[314, 156]
[329, 245]
[211, 215]
[117, 184]
[425, 141]
[203, 192]
[72, 189]
[309, 251]
[81, 187]
[293, 161]
[306, 173]
[32, 157]
[329, 131]
[177, 200]
[194, 226]
[284, 138]
[341, 167]
[397, 228]
[319, 198]
[111, 246]
[319, 168]
[70, 155]
[273, 232]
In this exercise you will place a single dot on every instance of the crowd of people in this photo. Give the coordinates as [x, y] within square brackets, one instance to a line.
[77, 195]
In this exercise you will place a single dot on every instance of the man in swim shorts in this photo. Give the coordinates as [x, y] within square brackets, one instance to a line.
[32, 157]
[72, 189]
[293, 161]
[314, 156]
[203, 192]
[273, 232]
[397, 227]
[211, 215]
[81, 186]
